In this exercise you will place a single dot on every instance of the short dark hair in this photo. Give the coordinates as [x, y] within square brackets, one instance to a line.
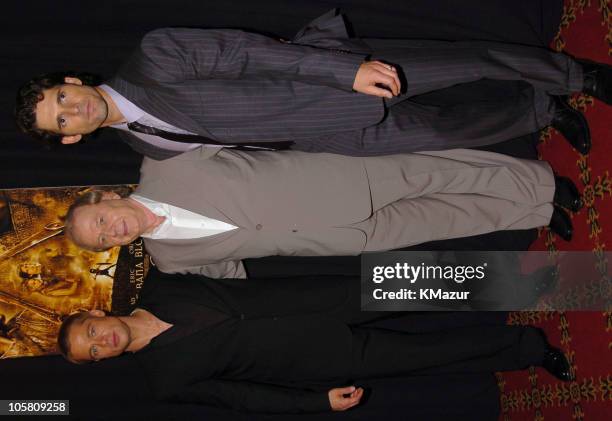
[91, 197]
[31, 93]
[63, 335]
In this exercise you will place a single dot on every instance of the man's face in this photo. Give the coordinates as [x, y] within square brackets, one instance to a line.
[95, 337]
[71, 110]
[112, 222]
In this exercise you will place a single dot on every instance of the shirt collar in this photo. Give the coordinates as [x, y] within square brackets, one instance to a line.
[130, 111]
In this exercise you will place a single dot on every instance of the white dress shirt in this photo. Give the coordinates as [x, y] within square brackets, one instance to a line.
[180, 223]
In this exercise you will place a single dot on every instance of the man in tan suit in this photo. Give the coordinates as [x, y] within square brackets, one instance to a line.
[205, 210]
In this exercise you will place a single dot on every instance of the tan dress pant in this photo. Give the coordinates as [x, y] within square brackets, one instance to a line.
[456, 193]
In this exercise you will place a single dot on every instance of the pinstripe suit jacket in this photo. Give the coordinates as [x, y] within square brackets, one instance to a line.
[234, 86]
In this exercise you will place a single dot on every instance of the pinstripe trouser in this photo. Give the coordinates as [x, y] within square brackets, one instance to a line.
[428, 66]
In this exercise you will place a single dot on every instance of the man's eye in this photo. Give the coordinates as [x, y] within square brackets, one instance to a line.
[62, 121]
[62, 96]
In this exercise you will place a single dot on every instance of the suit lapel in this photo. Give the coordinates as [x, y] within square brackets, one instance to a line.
[156, 100]
[182, 196]
[166, 368]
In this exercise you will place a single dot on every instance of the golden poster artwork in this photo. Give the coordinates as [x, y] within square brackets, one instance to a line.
[44, 277]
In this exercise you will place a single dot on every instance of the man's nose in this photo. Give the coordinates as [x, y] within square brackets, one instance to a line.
[73, 109]
[104, 340]
[107, 230]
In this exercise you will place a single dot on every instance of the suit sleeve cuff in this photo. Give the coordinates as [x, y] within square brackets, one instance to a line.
[345, 67]
[315, 402]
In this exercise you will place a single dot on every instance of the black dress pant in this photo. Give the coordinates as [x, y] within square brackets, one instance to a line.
[387, 353]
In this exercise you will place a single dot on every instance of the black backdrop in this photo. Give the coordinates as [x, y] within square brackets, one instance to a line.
[42, 36]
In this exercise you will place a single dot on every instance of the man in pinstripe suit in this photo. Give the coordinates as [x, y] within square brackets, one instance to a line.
[185, 87]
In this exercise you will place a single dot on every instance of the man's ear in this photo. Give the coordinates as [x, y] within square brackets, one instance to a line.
[97, 313]
[73, 81]
[69, 140]
[110, 195]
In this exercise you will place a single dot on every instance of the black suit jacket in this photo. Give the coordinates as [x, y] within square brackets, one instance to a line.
[272, 346]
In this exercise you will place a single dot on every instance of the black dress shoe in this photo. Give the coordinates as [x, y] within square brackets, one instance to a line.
[561, 224]
[597, 80]
[556, 364]
[567, 194]
[572, 125]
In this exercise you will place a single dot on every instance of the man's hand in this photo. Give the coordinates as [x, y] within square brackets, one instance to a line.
[339, 402]
[372, 73]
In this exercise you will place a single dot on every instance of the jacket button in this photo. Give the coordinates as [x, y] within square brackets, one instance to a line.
[293, 230]
[258, 227]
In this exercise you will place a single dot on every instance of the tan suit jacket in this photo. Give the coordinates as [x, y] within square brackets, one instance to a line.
[307, 212]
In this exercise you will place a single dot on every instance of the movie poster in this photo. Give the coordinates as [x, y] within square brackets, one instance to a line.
[44, 277]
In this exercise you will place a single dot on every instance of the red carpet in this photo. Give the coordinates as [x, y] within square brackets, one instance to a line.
[585, 337]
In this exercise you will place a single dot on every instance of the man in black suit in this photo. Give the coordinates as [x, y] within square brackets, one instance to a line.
[299, 345]
[187, 87]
